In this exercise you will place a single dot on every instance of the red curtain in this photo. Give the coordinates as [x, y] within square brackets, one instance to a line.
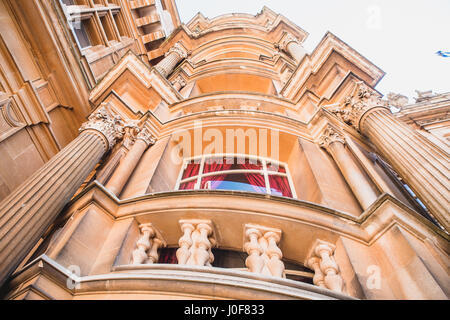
[256, 180]
[168, 255]
[190, 171]
[214, 166]
[280, 184]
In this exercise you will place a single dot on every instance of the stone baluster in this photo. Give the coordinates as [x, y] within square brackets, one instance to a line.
[321, 260]
[314, 264]
[196, 243]
[275, 265]
[254, 261]
[147, 245]
[143, 140]
[423, 166]
[178, 83]
[292, 46]
[171, 59]
[29, 210]
[333, 141]
[264, 255]
[185, 243]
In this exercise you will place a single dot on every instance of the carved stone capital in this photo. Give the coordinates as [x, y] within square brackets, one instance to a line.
[357, 104]
[179, 50]
[329, 136]
[179, 82]
[285, 40]
[109, 125]
[146, 136]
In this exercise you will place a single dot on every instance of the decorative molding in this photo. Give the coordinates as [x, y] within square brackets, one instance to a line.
[179, 49]
[285, 40]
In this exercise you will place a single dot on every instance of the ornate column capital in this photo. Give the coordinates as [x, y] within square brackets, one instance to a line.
[179, 50]
[285, 40]
[145, 135]
[357, 104]
[110, 126]
[329, 136]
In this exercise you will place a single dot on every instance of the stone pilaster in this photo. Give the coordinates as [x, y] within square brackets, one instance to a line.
[292, 46]
[143, 140]
[171, 59]
[333, 141]
[264, 255]
[196, 243]
[423, 166]
[29, 211]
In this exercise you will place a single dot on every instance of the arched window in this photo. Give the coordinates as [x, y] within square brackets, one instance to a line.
[236, 172]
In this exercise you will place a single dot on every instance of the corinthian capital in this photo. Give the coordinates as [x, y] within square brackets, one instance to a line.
[357, 104]
[329, 136]
[178, 49]
[109, 125]
[146, 136]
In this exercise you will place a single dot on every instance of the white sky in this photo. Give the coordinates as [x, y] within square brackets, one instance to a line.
[399, 36]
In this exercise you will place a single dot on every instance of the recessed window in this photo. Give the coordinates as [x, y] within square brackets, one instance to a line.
[236, 172]
[82, 35]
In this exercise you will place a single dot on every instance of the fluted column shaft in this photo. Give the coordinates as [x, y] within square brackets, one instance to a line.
[422, 166]
[172, 58]
[334, 143]
[28, 212]
[129, 163]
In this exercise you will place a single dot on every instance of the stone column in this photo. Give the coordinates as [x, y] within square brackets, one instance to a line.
[29, 211]
[128, 164]
[292, 46]
[333, 141]
[422, 166]
[171, 59]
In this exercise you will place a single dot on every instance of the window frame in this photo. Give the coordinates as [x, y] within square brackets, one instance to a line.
[264, 171]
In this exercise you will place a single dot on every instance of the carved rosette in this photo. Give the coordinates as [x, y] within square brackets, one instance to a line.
[356, 105]
[145, 135]
[110, 126]
[329, 136]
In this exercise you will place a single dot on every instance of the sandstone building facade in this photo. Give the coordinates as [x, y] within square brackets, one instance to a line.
[149, 159]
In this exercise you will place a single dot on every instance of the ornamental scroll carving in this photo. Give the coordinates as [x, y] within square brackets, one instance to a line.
[354, 106]
[109, 125]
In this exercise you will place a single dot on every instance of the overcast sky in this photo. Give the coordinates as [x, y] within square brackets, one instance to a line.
[399, 36]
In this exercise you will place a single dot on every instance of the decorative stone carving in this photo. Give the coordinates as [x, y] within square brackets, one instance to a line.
[179, 50]
[196, 243]
[145, 135]
[109, 125]
[288, 38]
[396, 100]
[178, 83]
[131, 130]
[329, 136]
[264, 255]
[326, 271]
[357, 104]
[424, 95]
[147, 245]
